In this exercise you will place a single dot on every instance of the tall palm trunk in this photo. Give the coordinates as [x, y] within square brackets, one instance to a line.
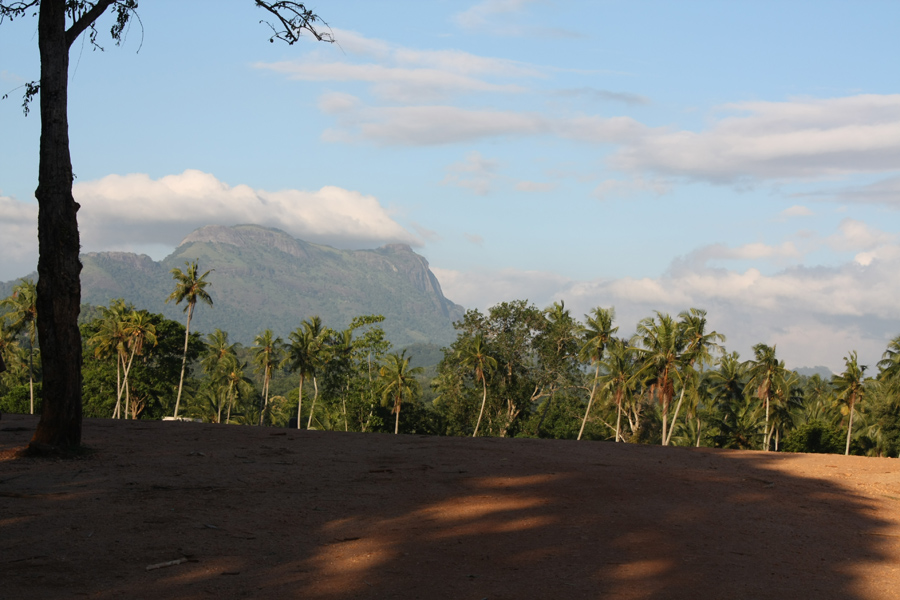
[397, 418]
[590, 402]
[265, 395]
[674, 418]
[117, 411]
[618, 415]
[187, 337]
[849, 429]
[300, 401]
[483, 402]
[312, 409]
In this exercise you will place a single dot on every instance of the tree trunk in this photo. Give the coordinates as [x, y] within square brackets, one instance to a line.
[674, 418]
[849, 430]
[619, 417]
[483, 402]
[313, 407]
[300, 401]
[397, 419]
[187, 337]
[590, 402]
[59, 270]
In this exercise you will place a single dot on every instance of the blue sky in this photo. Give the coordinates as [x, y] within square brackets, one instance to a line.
[742, 157]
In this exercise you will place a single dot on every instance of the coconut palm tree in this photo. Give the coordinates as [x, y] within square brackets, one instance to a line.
[699, 350]
[217, 348]
[266, 355]
[139, 330]
[619, 377]
[474, 356]
[398, 380]
[660, 343]
[190, 288]
[596, 334]
[22, 315]
[766, 373]
[302, 357]
[850, 388]
[111, 340]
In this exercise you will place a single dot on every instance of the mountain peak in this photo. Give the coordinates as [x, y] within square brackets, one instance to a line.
[244, 236]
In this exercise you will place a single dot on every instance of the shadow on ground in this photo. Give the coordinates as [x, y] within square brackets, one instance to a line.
[259, 512]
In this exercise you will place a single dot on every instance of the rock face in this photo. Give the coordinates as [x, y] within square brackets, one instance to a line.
[263, 278]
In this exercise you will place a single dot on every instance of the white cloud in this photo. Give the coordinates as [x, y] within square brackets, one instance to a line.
[474, 238]
[18, 238]
[796, 211]
[394, 84]
[815, 315]
[407, 75]
[885, 192]
[535, 186]
[853, 236]
[484, 13]
[475, 173]
[618, 188]
[121, 212]
[797, 139]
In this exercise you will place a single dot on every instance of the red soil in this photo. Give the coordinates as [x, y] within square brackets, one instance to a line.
[267, 513]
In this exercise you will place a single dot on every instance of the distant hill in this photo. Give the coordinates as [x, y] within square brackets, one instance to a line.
[823, 372]
[264, 278]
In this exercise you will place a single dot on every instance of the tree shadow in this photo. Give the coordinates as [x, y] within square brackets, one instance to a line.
[264, 513]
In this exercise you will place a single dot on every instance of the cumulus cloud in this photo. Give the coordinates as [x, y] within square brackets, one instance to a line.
[18, 237]
[122, 211]
[815, 315]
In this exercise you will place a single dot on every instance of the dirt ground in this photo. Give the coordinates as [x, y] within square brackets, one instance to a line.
[187, 510]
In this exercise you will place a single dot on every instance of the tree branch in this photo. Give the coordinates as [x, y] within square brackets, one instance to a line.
[294, 18]
[86, 20]
[13, 10]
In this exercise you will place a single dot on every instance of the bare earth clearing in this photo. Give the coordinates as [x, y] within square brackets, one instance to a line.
[267, 513]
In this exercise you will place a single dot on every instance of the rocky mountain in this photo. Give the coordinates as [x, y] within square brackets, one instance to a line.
[264, 278]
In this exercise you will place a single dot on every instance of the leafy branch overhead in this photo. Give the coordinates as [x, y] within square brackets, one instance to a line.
[292, 19]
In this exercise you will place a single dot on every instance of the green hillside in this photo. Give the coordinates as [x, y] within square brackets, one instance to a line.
[264, 278]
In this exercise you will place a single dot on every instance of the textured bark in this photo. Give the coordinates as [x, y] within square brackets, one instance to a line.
[59, 270]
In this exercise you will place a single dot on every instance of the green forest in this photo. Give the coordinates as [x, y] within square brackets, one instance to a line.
[516, 371]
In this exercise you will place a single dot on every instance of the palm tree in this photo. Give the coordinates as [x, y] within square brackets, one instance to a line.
[398, 380]
[111, 340]
[619, 377]
[597, 334]
[699, 350]
[889, 365]
[473, 355]
[661, 343]
[138, 330]
[766, 373]
[238, 383]
[217, 347]
[190, 288]
[266, 356]
[850, 388]
[302, 357]
[22, 314]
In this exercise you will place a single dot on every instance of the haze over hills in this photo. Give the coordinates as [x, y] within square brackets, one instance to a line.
[264, 278]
